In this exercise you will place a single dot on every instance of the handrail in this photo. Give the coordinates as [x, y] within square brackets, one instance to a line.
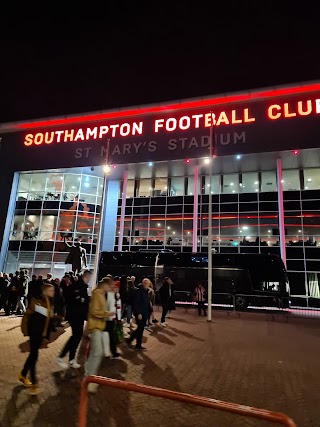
[233, 408]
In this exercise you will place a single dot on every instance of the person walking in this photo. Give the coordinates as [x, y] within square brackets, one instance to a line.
[4, 283]
[199, 296]
[35, 324]
[151, 318]
[140, 307]
[13, 293]
[113, 306]
[22, 291]
[97, 316]
[129, 300]
[77, 311]
[166, 293]
[58, 303]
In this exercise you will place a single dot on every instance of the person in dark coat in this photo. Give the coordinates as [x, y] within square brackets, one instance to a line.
[34, 288]
[4, 291]
[140, 307]
[58, 303]
[77, 312]
[13, 292]
[35, 325]
[166, 293]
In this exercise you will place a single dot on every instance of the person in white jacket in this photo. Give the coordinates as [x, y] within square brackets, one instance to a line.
[113, 305]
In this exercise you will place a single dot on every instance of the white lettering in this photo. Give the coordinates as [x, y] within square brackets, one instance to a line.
[103, 131]
[58, 133]
[197, 118]
[114, 129]
[92, 133]
[137, 128]
[125, 129]
[171, 128]
[68, 135]
[158, 124]
[184, 122]
[79, 135]
[318, 106]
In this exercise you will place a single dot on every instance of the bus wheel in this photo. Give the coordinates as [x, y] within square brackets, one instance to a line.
[241, 303]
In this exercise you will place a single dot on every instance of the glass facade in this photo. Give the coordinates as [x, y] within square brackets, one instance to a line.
[245, 218]
[52, 207]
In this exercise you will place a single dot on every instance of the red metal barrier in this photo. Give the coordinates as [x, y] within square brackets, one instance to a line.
[219, 405]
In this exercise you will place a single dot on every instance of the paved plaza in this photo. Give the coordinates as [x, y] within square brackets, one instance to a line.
[252, 360]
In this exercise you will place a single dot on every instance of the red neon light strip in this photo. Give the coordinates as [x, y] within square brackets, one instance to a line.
[171, 107]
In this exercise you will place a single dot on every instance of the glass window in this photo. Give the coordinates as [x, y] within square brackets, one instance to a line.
[311, 225]
[187, 232]
[250, 183]
[145, 188]
[173, 232]
[268, 181]
[157, 230]
[177, 187]
[24, 182]
[269, 228]
[89, 185]
[312, 179]
[190, 189]
[249, 228]
[160, 187]
[230, 183]
[71, 184]
[130, 188]
[290, 180]
[215, 185]
[25, 228]
[100, 187]
[47, 227]
[140, 231]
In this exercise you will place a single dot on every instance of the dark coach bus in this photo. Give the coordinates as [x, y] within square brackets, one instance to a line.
[250, 278]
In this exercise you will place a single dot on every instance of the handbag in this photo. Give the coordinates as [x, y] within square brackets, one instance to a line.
[118, 335]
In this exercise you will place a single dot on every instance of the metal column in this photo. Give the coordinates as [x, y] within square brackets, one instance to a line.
[123, 209]
[195, 208]
[281, 214]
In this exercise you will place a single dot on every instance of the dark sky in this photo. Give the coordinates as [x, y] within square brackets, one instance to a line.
[137, 55]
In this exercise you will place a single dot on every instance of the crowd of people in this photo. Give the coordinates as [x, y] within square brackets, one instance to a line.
[119, 309]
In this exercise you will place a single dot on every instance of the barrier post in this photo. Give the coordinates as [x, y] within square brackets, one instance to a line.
[233, 408]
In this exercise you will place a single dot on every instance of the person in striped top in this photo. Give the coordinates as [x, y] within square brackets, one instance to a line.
[199, 297]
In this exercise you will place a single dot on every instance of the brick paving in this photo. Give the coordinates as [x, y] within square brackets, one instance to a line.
[250, 360]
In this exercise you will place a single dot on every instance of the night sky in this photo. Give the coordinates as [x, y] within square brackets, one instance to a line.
[138, 55]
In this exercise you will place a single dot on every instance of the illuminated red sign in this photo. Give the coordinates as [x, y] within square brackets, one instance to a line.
[170, 124]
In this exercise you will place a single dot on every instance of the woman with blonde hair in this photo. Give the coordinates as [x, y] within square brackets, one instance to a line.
[95, 327]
